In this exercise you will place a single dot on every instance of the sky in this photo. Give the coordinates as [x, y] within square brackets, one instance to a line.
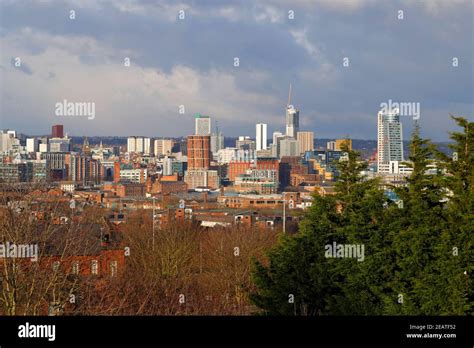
[343, 58]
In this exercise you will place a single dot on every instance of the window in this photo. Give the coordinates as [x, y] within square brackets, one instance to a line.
[75, 267]
[94, 267]
[56, 266]
[113, 268]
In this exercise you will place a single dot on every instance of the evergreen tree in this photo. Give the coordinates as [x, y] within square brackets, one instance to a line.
[418, 251]
[453, 277]
[298, 265]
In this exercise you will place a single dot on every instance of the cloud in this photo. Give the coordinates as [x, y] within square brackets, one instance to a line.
[128, 100]
[190, 62]
[301, 38]
[439, 8]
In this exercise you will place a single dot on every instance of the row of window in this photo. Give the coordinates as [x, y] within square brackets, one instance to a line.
[94, 267]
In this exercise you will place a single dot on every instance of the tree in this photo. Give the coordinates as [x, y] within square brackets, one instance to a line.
[299, 278]
[418, 250]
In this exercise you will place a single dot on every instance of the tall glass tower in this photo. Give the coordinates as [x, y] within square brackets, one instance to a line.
[292, 121]
[389, 140]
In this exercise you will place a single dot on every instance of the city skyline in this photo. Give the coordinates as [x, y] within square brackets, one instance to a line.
[63, 59]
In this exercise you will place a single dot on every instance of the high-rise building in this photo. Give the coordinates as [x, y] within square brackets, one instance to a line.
[131, 144]
[32, 144]
[202, 125]
[217, 142]
[289, 147]
[138, 145]
[146, 146]
[199, 152]
[305, 141]
[261, 136]
[168, 165]
[292, 118]
[8, 140]
[57, 131]
[275, 136]
[82, 168]
[389, 140]
[163, 147]
[292, 121]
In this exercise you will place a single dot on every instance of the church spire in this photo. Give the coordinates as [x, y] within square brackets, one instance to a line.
[86, 149]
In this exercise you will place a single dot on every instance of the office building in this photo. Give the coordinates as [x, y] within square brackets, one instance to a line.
[83, 169]
[305, 141]
[139, 145]
[131, 144]
[59, 144]
[32, 145]
[57, 131]
[292, 121]
[163, 147]
[146, 146]
[137, 175]
[217, 142]
[8, 140]
[15, 172]
[261, 136]
[289, 147]
[275, 137]
[389, 140]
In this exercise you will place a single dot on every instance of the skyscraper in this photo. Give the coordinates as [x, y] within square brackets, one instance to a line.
[146, 146]
[292, 118]
[131, 144]
[261, 136]
[57, 131]
[202, 125]
[305, 141]
[292, 121]
[389, 140]
[139, 144]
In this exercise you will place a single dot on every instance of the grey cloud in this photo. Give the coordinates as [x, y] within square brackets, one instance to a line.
[408, 60]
